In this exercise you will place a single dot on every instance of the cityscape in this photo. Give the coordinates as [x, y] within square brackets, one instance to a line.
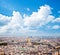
[29, 27]
[29, 46]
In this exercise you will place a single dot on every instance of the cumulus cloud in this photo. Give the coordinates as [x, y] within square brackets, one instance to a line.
[14, 24]
[28, 9]
[4, 19]
[40, 18]
[56, 27]
[22, 24]
[56, 20]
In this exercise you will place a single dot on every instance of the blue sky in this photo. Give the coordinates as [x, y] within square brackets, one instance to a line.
[30, 17]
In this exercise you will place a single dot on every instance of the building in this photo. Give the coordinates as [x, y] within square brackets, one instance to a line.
[29, 41]
[57, 51]
[2, 53]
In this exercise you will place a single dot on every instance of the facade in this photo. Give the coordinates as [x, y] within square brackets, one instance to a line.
[2, 53]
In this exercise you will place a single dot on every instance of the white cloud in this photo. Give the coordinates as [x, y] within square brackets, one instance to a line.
[22, 24]
[56, 20]
[56, 27]
[4, 19]
[14, 24]
[28, 9]
[37, 19]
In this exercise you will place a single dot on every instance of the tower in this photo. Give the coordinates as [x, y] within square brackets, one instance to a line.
[29, 41]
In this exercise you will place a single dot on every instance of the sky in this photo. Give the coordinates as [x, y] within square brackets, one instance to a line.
[30, 17]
